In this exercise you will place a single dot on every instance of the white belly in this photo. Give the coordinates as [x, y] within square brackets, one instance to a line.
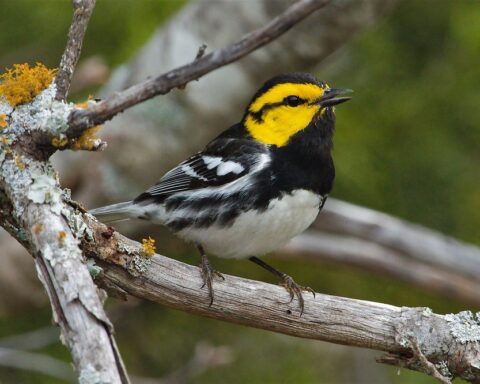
[255, 233]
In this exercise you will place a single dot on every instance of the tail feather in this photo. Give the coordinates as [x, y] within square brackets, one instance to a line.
[114, 212]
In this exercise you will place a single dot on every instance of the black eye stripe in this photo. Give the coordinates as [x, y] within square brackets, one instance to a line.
[291, 101]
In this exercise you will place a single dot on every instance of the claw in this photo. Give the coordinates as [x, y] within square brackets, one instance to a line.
[295, 290]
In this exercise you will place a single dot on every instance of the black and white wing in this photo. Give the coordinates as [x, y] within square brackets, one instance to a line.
[224, 160]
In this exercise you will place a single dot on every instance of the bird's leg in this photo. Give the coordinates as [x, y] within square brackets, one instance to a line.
[208, 273]
[286, 281]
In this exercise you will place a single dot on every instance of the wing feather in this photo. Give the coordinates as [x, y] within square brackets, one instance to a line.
[224, 160]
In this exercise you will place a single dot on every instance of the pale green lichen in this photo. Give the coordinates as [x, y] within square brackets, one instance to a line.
[43, 113]
[77, 225]
[93, 269]
[129, 250]
[43, 190]
[427, 312]
[138, 264]
[464, 326]
[90, 376]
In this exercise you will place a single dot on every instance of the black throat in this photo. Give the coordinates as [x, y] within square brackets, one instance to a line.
[306, 161]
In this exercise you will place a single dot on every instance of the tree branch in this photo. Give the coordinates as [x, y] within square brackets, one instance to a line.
[450, 341]
[50, 230]
[81, 15]
[367, 255]
[96, 114]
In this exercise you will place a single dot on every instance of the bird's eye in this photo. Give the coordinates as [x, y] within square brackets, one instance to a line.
[292, 101]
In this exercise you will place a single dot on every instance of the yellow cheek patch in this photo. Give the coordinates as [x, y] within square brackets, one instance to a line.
[277, 93]
[279, 123]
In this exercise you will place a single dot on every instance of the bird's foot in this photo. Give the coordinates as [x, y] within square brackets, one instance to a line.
[208, 274]
[295, 290]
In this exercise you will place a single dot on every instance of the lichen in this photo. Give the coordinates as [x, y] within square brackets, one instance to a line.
[60, 141]
[138, 264]
[61, 238]
[44, 113]
[21, 84]
[427, 312]
[88, 140]
[4, 140]
[93, 269]
[38, 228]
[90, 376]
[129, 250]
[44, 190]
[3, 120]
[19, 162]
[86, 103]
[442, 368]
[77, 225]
[148, 247]
[464, 327]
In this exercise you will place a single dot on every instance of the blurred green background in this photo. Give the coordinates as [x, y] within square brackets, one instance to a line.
[408, 145]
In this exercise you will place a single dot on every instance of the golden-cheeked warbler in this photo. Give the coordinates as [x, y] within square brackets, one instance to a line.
[255, 186]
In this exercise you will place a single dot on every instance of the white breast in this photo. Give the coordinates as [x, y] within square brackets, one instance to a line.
[255, 233]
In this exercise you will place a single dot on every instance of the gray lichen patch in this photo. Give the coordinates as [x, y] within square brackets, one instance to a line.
[77, 225]
[442, 368]
[129, 250]
[44, 190]
[93, 268]
[43, 113]
[138, 265]
[464, 326]
[5, 108]
[90, 376]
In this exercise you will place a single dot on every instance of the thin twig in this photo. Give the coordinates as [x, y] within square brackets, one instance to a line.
[82, 10]
[80, 120]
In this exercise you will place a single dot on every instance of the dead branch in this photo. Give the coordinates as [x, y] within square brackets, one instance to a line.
[75, 303]
[82, 10]
[450, 341]
[80, 120]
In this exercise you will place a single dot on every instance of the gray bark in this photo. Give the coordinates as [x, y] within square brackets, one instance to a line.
[440, 345]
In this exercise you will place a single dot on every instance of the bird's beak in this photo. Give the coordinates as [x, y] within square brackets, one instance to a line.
[329, 98]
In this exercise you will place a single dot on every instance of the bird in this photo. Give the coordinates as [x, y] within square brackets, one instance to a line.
[256, 185]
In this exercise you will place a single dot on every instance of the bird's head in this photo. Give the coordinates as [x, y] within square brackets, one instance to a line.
[287, 104]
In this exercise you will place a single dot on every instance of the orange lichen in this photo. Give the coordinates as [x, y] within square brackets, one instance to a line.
[19, 162]
[59, 142]
[84, 104]
[88, 140]
[22, 83]
[38, 228]
[61, 238]
[3, 122]
[148, 247]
